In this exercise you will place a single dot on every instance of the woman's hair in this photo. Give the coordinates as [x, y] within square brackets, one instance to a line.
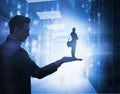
[18, 21]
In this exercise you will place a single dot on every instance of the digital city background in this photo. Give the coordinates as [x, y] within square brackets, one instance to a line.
[51, 24]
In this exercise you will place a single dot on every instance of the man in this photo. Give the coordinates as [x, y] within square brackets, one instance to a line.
[73, 41]
[16, 67]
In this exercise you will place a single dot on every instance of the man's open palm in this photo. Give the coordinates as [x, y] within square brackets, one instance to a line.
[69, 59]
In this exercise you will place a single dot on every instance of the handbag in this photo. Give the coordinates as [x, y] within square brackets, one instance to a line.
[69, 43]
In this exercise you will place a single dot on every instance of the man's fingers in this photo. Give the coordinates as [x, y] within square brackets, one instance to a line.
[79, 59]
[68, 59]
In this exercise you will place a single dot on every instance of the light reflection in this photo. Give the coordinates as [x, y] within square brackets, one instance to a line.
[46, 48]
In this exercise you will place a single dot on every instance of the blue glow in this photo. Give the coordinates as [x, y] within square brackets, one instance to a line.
[89, 0]
[83, 5]
[32, 1]
[19, 6]
[11, 14]
[6, 24]
[18, 12]
[49, 14]
[35, 22]
[55, 48]
[51, 24]
[70, 77]
[27, 15]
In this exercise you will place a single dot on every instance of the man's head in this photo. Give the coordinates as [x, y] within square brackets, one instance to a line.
[73, 29]
[19, 27]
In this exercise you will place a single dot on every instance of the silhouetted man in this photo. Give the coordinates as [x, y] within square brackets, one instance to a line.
[73, 42]
[16, 67]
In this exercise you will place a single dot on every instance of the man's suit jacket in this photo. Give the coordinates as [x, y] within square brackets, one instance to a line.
[16, 68]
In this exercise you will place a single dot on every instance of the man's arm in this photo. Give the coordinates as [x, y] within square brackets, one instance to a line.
[51, 68]
[24, 63]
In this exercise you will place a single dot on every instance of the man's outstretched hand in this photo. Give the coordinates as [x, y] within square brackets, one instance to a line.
[69, 59]
[65, 60]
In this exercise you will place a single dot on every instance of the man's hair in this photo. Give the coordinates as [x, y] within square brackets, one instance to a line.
[73, 29]
[18, 21]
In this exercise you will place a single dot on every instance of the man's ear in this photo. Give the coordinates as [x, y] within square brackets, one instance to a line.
[16, 30]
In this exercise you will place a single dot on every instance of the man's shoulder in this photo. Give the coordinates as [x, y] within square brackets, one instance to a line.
[8, 50]
[22, 50]
[21, 53]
